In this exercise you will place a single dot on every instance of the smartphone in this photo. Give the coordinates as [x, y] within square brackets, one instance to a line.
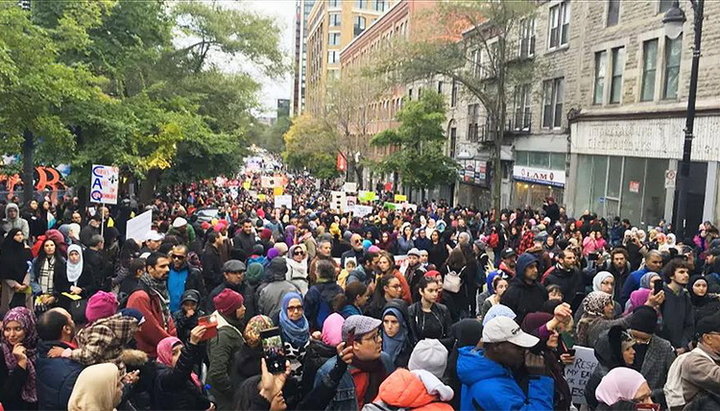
[570, 351]
[593, 256]
[657, 286]
[210, 323]
[350, 338]
[567, 340]
[273, 350]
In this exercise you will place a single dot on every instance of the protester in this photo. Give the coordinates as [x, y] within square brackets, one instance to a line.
[18, 377]
[700, 368]
[387, 288]
[234, 278]
[297, 272]
[704, 303]
[98, 387]
[678, 324]
[353, 300]
[319, 351]
[428, 318]
[270, 295]
[14, 259]
[621, 389]
[295, 330]
[55, 376]
[319, 298]
[397, 338]
[525, 294]
[246, 361]
[229, 313]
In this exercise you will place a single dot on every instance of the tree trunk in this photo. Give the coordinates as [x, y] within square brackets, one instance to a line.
[147, 192]
[28, 166]
[500, 126]
[358, 176]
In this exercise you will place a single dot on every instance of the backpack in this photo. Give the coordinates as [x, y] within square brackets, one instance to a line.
[452, 281]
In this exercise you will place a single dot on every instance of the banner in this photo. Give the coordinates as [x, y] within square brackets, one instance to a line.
[139, 227]
[578, 373]
[104, 184]
[283, 200]
[341, 162]
[246, 185]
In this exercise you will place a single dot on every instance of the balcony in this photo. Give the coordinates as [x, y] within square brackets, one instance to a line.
[487, 133]
[519, 123]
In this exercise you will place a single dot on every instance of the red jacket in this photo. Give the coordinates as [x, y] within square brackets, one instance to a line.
[156, 326]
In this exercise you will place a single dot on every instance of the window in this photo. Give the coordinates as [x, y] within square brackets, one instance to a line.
[557, 161]
[613, 12]
[334, 39]
[335, 19]
[539, 159]
[559, 25]
[360, 4]
[477, 63]
[359, 25]
[453, 141]
[419, 92]
[334, 3]
[649, 70]
[527, 38]
[380, 5]
[332, 57]
[521, 158]
[522, 104]
[453, 94]
[665, 5]
[473, 122]
[440, 87]
[553, 96]
[618, 64]
[673, 50]
[410, 94]
[600, 68]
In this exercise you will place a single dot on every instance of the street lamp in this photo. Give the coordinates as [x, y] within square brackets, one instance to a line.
[673, 23]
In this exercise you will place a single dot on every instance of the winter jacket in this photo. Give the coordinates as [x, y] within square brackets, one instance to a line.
[678, 324]
[11, 384]
[345, 397]
[194, 281]
[243, 245]
[440, 311]
[318, 303]
[700, 373]
[488, 385]
[245, 289]
[212, 267]
[174, 389]
[271, 295]
[55, 377]
[17, 222]
[404, 389]
[158, 321]
[246, 363]
[521, 297]
[60, 281]
[297, 273]
[221, 350]
[570, 282]
[316, 354]
[97, 264]
[632, 283]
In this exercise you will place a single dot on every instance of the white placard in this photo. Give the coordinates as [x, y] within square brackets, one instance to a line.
[338, 201]
[350, 187]
[578, 373]
[283, 200]
[267, 182]
[360, 210]
[139, 227]
[104, 182]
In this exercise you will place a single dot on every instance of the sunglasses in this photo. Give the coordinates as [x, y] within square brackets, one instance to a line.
[178, 257]
[298, 253]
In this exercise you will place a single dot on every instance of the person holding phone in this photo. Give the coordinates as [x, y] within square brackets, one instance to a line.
[229, 313]
[177, 386]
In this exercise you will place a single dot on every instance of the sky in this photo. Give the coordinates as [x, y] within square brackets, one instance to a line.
[283, 11]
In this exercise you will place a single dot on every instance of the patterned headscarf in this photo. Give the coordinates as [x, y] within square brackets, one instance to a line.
[595, 302]
[253, 328]
[26, 319]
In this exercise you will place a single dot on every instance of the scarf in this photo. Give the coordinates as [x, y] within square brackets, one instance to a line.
[645, 279]
[25, 318]
[599, 278]
[697, 300]
[74, 271]
[297, 332]
[593, 305]
[392, 346]
[159, 286]
[165, 355]
[367, 375]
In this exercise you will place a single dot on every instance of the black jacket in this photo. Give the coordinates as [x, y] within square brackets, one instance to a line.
[440, 311]
[521, 297]
[570, 282]
[212, 269]
[55, 377]
[95, 263]
[246, 363]
[316, 354]
[243, 245]
[11, 383]
[174, 388]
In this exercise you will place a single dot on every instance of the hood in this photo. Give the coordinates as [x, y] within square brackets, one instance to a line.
[399, 305]
[404, 389]
[522, 263]
[328, 291]
[277, 269]
[320, 349]
[472, 366]
[9, 207]
[604, 352]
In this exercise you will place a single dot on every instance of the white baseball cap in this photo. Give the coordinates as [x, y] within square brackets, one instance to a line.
[179, 222]
[154, 236]
[501, 329]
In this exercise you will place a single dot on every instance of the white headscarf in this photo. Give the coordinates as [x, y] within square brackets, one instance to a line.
[74, 231]
[97, 388]
[74, 271]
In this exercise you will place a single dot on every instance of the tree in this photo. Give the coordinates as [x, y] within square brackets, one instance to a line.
[418, 156]
[477, 45]
[306, 146]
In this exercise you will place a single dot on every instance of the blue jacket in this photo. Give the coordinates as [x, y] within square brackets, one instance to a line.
[631, 284]
[55, 377]
[345, 394]
[493, 387]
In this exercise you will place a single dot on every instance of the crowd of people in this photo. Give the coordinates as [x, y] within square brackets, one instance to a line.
[427, 306]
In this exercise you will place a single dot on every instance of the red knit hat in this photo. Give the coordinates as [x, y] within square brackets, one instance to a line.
[101, 305]
[228, 301]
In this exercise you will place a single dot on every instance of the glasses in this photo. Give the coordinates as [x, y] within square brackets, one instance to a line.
[298, 253]
[395, 286]
[178, 257]
[295, 308]
[372, 336]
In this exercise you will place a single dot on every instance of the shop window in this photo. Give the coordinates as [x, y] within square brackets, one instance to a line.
[614, 176]
[557, 161]
[584, 181]
[521, 158]
[633, 183]
[653, 204]
[600, 164]
[538, 159]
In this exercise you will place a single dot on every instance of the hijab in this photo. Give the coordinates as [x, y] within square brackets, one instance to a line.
[165, 355]
[392, 346]
[254, 273]
[297, 333]
[96, 388]
[26, 319]
[13, 257]
[599, 278]
[253, 328]
[593, 305]
[619, 384]
[74, 271]
[697, 301]
[645, 280]
[332, 329]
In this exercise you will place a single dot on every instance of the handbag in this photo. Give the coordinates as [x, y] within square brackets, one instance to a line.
[77, 310]
[452, 281]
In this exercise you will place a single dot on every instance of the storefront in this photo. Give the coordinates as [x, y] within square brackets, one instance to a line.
[473, 189]
[536, 176]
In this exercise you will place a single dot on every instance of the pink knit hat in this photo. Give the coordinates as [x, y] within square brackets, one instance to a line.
[101, 305]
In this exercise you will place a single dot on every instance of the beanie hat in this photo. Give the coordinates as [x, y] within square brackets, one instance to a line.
[228, 301]
[644, 319]
[133, 313]
[266, 233]
[101, 305]
[272, 253]
[429, 355]
[366, 244]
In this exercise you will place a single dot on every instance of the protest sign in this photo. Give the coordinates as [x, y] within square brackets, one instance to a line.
[366, 196]
[351, 200]
[278, 191]
[350, 187]
[104, 184]
[246, 185]
[283, 200]
[578, 373]
[267, 182]
[338, 201]
[360, 210]
[137, 228]
[399, 198]
[261, 197]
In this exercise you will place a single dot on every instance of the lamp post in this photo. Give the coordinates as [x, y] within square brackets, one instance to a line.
[673, 23]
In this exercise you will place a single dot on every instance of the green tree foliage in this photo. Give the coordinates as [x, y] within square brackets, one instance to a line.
[418, 142]
[306, 147]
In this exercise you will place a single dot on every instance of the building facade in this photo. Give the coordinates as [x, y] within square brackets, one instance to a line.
[297, 99]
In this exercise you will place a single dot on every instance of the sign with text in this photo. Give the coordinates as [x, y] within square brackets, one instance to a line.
[283, 200]
[578, 373]
[360, 210]
[367, 196]
[104, 182]
[350, 187]
[539, 175]
[139, 227]
[399, 198]
[670, 176]
[338, 201]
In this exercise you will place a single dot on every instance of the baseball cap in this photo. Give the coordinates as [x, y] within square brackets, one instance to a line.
[179, 222]
[361, 323]
[154, 236]
[507, 253]
[502, 329]
[414, 251]
[233, 266]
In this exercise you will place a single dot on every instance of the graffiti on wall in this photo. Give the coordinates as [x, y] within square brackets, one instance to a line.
[45, 177]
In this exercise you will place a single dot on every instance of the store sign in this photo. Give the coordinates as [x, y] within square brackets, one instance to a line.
[474, 172]
[634, 186]
[539, 175]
